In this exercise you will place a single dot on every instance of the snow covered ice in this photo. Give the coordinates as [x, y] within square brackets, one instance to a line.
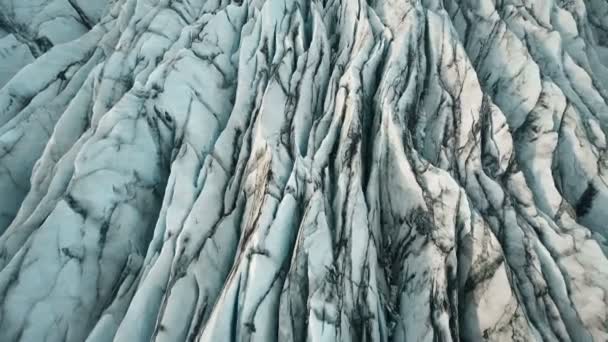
[303, 170]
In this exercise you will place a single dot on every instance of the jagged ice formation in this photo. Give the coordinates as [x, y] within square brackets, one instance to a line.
[303, 170]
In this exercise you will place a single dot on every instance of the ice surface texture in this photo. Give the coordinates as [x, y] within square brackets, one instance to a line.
[303, 170]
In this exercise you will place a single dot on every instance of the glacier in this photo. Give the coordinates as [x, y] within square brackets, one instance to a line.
[303, 170]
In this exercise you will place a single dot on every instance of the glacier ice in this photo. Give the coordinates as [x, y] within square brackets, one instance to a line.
[303, 170]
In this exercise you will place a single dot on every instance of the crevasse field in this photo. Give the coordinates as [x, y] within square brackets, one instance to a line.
[303, 170]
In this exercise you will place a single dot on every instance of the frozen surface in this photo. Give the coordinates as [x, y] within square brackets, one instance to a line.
[296, 170]
[13, 56]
